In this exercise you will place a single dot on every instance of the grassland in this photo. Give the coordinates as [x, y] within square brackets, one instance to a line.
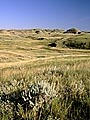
[39, 82]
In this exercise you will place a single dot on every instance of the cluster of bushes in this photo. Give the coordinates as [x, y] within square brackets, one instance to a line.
[56, 96]
[28, 103]
[76, 43]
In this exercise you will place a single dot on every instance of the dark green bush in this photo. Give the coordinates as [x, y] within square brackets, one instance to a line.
[77, 43]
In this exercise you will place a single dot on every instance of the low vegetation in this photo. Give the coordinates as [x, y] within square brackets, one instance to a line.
[40, 82]
[78, 42]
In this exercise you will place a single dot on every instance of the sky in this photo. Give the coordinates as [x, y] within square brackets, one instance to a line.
[59, 14]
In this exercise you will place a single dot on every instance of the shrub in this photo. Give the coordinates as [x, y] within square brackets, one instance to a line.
[52, 44]
[41, 38]
[34, 98]
[78, 44]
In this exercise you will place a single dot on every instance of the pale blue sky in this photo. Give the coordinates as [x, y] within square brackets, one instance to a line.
[24, 14]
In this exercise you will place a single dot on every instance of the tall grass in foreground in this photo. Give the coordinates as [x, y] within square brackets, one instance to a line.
[58, 91]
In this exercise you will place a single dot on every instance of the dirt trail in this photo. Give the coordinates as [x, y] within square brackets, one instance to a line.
[10, 64]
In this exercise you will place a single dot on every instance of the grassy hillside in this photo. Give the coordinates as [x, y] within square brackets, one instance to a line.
[41, 82]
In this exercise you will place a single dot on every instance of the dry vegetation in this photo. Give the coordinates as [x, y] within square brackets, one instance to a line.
[42, 82]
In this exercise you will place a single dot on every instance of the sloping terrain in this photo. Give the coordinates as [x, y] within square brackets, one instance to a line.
[25, 45]
[44, 75]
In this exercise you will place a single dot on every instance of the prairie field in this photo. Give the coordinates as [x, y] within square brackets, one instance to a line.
[44, 75]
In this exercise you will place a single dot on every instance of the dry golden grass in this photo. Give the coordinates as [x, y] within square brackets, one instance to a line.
[27, 63]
